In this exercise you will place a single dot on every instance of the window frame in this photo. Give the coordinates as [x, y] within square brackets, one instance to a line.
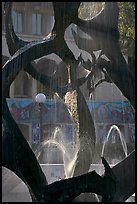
[37, 30]
[17, 18]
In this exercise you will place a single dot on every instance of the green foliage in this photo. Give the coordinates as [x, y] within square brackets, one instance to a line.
[126, 25]
[87, 10]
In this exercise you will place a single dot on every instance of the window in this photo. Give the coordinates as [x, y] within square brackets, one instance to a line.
[17, 21]
[22, 86]
[52, 21]
[36, 23]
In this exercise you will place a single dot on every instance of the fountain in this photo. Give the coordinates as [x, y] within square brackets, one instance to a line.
[108, 156]
[107, 150]
[56, 43]
[68, 155]
[111, 150]
[58, 147]
[123, 143]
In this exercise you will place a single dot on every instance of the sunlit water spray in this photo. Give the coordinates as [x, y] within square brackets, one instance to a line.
[122, 139]
[69, 154]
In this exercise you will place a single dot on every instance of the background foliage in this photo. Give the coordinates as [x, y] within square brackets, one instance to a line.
[126, 22]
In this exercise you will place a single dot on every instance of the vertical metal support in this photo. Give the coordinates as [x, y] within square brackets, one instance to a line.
[40, 122]
[41, 132]
[40, 98]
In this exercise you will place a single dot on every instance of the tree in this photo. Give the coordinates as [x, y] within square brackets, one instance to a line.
[105, 35]
[127, 28]
[126, 22]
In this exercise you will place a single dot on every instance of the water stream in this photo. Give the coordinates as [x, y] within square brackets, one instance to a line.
[59, 144]
[122, 140]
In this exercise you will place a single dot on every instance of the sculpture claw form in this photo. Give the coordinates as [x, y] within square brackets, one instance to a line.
[109, 183]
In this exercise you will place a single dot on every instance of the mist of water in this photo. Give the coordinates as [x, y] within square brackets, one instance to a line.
[69, 153]
[122, 140]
